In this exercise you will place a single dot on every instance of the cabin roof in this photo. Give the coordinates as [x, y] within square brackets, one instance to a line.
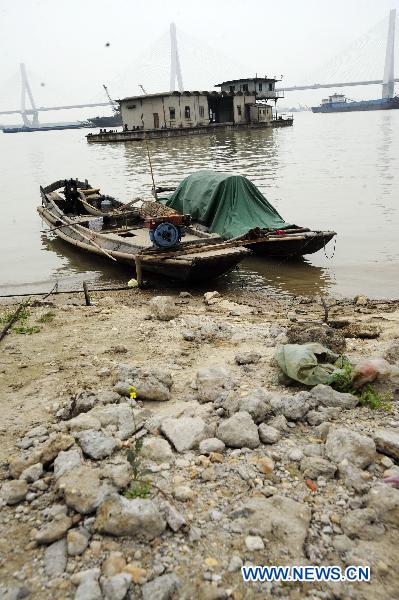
[257, 79]
[185, 93]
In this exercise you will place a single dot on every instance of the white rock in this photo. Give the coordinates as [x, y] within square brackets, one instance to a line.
[82, 489]
[14, 491]
[296, 454]
[283, 521]
[211, 297]
[211, 445]
[279, 422]
[54, 530]
[66, 461]
[324, 395]
[96, 444]
[384, 500]
[344, 443]
[315, 466]
[119, 473]
[294, 408]
[185, 433]
[161, 588]
[235, 563]
[55, 559]
[268, 434]
[256, 403]
[157, 449]
[254, 542]
[183, 493]
[387, 441]
[89, 587]
[138, 517]
[212, 383]
[239, 431]
[174, 518]
[77, 541]
[116, 587]
[163, 308]
[39, 431]
[247, 358]
[386, 462]
[32, 473]
[153, 383]
[84, 421]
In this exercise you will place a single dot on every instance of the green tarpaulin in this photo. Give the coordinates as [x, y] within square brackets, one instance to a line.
[229, 205]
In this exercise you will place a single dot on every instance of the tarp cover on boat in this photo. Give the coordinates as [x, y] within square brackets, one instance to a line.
[229, 205]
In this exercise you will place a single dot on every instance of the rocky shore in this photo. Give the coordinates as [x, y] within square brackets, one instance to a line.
[150, 447]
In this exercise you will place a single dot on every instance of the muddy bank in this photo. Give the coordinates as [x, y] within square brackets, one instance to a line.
[242, 468]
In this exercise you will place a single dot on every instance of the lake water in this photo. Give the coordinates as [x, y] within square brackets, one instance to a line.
[328, 171]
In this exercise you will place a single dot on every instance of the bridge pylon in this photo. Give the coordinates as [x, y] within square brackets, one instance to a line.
[388, 82]
[26, 91]
[175, 69]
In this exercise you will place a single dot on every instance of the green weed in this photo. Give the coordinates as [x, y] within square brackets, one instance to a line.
[140, 487]
[24, 330]
[48, 317]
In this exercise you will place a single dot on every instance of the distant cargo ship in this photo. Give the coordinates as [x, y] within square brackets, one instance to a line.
[114, 120]
[340, 103]
[25, 129]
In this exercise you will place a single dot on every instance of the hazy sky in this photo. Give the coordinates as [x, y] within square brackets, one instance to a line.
[63, 43]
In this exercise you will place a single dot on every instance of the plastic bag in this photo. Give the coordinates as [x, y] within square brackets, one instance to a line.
[310, 364]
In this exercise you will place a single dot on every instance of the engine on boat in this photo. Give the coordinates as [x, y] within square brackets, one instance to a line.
[166, 232]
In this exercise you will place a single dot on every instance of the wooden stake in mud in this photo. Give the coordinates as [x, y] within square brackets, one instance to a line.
[86, 293]
[139, 271]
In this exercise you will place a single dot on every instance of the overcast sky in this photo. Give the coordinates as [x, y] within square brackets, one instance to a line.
[64, 43]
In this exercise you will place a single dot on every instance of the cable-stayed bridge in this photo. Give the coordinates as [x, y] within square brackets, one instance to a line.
[338, 72]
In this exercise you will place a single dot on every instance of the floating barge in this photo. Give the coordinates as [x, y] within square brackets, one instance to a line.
[139, 135]
[241, 104]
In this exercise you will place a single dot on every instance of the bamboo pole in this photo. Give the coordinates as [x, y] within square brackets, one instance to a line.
[152, 173]
[91, 241]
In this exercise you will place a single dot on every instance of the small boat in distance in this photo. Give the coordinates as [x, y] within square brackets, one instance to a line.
[148, 237]
[233, 207]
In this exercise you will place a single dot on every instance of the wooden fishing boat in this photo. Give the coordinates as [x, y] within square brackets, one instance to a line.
[234, 208]
[146, 238]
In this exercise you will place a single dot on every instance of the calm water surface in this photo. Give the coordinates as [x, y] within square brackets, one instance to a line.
[332, 171]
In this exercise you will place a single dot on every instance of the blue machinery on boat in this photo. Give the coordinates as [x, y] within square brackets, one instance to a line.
[166, 232]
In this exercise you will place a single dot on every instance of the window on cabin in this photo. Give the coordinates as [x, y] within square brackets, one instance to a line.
[232, 88]
[201, 112]
[239, 111]
[260, 87]
[172, 113]
[271, 87]
[245, 87]
[186, 112]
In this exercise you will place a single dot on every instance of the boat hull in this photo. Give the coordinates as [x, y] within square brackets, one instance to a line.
[292, 248]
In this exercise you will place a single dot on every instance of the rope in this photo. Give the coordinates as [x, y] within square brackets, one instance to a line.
[56, 291]
[333, 252]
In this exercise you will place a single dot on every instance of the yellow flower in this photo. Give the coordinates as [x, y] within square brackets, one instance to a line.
[133, 393]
